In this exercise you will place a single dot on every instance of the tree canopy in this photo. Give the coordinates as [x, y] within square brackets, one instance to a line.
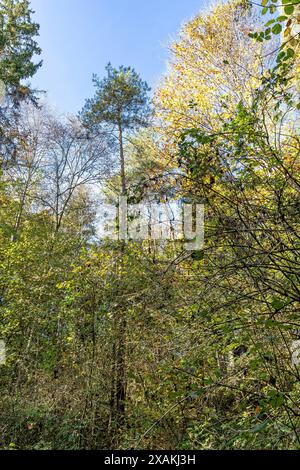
[124, 343]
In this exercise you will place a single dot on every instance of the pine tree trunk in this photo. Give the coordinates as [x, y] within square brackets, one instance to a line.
[118, 385]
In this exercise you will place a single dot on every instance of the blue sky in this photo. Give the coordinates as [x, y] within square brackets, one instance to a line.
[79, 37]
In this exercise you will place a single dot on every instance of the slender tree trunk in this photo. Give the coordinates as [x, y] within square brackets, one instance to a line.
[122, 161]
[118, 385]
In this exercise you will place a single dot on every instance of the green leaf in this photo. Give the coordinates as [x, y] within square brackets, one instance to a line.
[277, 28]
[278, 304]
[282, 18]
[290, 52]
[289, 9]
[280, 56]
